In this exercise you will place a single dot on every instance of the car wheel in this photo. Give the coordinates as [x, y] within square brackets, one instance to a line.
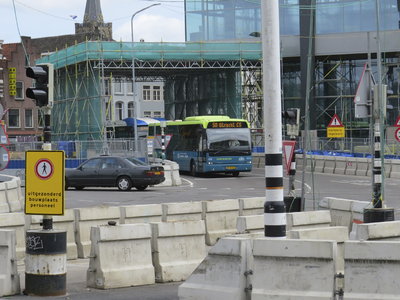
[66, 184]
[193, 169]
[235, 174]
[124, 183]
[141, 187]
[79, 187]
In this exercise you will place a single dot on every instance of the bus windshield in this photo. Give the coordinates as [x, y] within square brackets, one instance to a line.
[235, 139]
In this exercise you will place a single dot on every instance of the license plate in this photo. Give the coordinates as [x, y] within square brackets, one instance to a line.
[157, 173]
[230, 168]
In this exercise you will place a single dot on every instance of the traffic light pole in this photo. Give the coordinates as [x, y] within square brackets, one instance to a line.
[47, 219]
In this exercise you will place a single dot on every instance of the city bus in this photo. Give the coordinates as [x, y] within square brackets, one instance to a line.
[205, 144]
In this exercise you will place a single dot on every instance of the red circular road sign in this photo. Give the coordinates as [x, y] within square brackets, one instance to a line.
[397, 134]
[44, 169]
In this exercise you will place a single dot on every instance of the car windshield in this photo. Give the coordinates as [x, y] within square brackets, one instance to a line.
[135, 161]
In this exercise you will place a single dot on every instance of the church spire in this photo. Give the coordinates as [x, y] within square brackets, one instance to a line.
[93, 11]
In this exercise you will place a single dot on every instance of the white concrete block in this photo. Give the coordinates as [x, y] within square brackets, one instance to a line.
[9, 277]
[16, 222]
[293, 269]
[13, 195]
[363, 165]
[65, 222]
[120, 256]
[341, 164]
[167, 175]
[181, 211]
[141, 214]
[85, 218]
[4, 208]
[351, 166]
[220, 218]
[319, 163]
[221, 275]
[248, 224]
[251, 206]
[175, 176]
[308, 219]
[379, 231]
[178, 248]
[395, 170]
[339, 234]
[372, 270]
[311, 161]
[330, 164]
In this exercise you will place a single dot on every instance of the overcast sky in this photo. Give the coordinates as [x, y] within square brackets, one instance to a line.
[43, 18]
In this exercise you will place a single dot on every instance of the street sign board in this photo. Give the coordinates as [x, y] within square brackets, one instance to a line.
[288, 151]
[44, 182]
[335, 132]
[397, 134]
[362, 99]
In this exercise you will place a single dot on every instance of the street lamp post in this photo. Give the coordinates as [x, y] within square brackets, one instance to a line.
[135, 106]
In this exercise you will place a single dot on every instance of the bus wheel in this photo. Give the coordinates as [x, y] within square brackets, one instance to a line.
[193, 169]
[235, 174]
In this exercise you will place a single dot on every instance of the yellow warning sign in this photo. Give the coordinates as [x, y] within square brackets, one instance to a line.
[44, 182]
[336, 132]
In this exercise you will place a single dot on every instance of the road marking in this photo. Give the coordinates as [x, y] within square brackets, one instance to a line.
[190, 183]
[202, 188]
[111, 203]
[85, 200]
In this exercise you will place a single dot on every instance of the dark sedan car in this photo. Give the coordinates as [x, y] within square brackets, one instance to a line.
[111, 171]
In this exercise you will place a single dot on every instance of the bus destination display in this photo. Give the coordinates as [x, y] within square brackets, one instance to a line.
[227, 125]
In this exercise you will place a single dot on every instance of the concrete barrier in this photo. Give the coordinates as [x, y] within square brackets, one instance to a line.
[134, 214]
[395, 171]
[363, 165]
[167, 175]
[319, 163]
[9, 277]
[175, 176]
[4, 208]
[65, 222]
[222, 274]
[251, 206]
[220, 218]
[311, 161]
[388, 167]
[248, 224]
[351, 166]
[85, 218]
[181, 211]
[299, 162]
[16, 222]
[178, 248]
[341, 165]
[372, 270]
[339, 234]
[293, 269]
[383, 231]
[330, 164]
[14, 195]
[308, 219]
[120, 256]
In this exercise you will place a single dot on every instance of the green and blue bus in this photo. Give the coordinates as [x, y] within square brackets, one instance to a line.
[205, 144]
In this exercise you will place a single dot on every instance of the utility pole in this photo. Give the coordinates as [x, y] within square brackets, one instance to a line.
[274, 206]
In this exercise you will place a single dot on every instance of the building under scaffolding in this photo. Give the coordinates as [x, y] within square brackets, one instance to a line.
[214, 78]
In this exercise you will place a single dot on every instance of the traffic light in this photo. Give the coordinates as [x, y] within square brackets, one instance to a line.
[293, 120]
[42, 93]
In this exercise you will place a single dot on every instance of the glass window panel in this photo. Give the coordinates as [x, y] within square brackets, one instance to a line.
[28, 118]
[291, 21]
[329, 19]
[247, 22]
[13, 118]
[146, 93]
[130, 110]
[368, 16]
[221, 24]
[196, 26]
[352, 17]
[20, 90]
[129, 87]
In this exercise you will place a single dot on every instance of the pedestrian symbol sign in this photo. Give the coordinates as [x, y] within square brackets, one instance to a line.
[44, 182]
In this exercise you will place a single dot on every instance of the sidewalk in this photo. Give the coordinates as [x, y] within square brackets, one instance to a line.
[76, 287]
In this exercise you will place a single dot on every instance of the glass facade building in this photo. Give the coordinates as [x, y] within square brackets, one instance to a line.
[236, 19]
[342, 25]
